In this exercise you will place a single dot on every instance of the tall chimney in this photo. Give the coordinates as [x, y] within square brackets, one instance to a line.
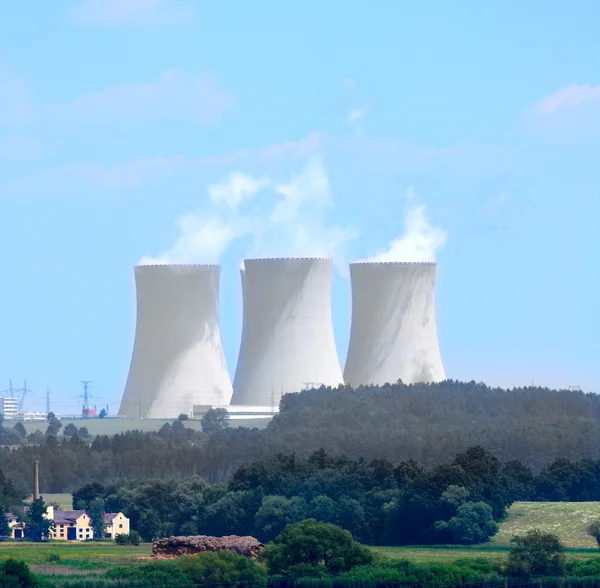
[36, 480]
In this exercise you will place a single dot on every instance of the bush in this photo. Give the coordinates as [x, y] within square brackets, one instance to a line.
[536, 554]
[313, 549]
[223, 568]
[159, 574]
[53, 558]
[132, 538]
[594, 530]
[16, 574]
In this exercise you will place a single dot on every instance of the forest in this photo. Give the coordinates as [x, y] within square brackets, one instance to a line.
[429, 424]
[379, 502]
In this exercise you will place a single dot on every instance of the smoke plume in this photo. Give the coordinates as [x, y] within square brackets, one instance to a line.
[275, 218]
[420, 241]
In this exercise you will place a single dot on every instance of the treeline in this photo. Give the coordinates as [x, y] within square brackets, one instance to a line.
[429, 424]
[379, 502]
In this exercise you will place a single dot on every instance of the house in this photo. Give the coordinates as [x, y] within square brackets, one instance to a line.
[116, 524]
[72, 525]
[15, 518]
[17, 529]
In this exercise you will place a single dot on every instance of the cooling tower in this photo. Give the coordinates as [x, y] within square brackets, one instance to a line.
[287, 332]
[393, 334]
[178, 358]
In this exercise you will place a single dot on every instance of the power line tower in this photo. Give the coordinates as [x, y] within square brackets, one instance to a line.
[47, 399]
[19, 393]
[85, 412]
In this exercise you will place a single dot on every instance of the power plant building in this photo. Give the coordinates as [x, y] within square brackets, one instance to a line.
[287, 340]
[393, 334]
[178, 359]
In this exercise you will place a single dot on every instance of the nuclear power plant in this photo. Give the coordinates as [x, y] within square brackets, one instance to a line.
[287, 336]
[178, 359]
[287, 344]
[393, 335]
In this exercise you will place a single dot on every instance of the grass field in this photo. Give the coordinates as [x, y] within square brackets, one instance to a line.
[65, 501]
[115, 426]
[568, 520]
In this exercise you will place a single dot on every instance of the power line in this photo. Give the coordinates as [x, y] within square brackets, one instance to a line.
[13, 392]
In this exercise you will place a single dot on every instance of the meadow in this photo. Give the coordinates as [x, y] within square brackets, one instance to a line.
[115, 426]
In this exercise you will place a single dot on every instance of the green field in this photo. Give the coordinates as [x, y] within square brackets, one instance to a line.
[115, 426]
[65, 501]
[568, 520]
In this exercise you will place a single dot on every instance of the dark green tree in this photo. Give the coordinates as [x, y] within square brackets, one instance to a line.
[20, 429]
[83, 432]
[594, 530]
[16, 574]
[37, 526]
[102, 414]
[312, 549]
[96, 511]
[70, 430]
[536, 554]
[215, 420]
[4, 528]
[473, 523]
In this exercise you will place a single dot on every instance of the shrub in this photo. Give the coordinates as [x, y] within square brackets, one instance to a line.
[594, 530]
[53, 558]
[16, 574]
[536, 554]
[223, 568]
[313, 549]
[159, 574]
[132, 538]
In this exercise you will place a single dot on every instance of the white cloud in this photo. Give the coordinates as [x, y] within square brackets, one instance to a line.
[567, 98]
[420, 242]
[132, 12]
[236, 188]
[175, 95]
[286, 219]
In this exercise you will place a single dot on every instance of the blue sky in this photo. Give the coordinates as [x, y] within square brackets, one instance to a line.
[299, 128]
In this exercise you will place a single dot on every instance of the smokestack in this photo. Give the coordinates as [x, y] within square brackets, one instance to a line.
[36, 480]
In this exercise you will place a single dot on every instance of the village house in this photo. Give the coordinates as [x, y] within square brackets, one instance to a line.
[70, 525]
[116, 524]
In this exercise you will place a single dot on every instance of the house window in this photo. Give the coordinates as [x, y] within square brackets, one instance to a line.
[120, 526]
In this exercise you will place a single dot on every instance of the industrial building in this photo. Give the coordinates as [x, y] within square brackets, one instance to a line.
[287, 333]
[177, 358]
[393, 334]
[9, 407]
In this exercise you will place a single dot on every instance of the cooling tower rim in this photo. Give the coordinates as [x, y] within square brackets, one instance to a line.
[269, 259]
[393, 263]
[176, 265]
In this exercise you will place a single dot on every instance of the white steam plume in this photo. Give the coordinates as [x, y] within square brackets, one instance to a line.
[291, 222]
[420, 241]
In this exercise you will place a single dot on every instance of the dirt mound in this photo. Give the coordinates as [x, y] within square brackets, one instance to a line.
[173, 547]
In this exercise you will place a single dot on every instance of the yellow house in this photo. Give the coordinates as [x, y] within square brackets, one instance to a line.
[17, 528]
[116, 524]
[72, 525]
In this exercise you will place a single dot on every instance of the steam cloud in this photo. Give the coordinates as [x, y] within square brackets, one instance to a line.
[294, 224]
[420, 241]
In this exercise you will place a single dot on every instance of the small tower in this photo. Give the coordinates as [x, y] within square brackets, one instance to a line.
[36, 480]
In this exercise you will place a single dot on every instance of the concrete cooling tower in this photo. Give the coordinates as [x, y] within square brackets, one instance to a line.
[178, 358]
[393, 334]
[287, 332]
